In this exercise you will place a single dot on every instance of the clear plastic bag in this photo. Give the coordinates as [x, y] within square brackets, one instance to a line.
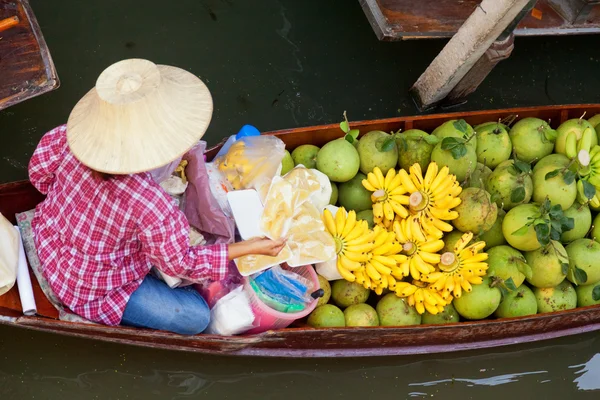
[252, 162]
[232, 314]
[282, 290]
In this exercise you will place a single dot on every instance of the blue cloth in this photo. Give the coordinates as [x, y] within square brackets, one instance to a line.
[155, 305]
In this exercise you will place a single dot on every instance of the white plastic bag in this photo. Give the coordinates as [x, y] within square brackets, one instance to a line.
[231, 315]
[9, 255]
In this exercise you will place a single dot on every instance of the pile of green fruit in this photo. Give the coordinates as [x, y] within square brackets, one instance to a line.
[530, 192]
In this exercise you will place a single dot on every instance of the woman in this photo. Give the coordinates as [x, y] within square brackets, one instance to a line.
[105, 222]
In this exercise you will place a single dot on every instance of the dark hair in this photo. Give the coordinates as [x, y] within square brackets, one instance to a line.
[101, 175]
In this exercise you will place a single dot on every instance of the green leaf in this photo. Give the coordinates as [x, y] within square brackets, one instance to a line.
[542, 231]
[354, 133]
[567, 224]
[552, 174]
[580, 276]
[450, 142]
[569, 177]
[510, 284]
[459, 152]
[344, 126]
[525, 269]
[461, 125]
[431, 139]
[518, 195]
[388, 144]
[546, 205]
[522, 166]
[521, 231]
[565, 268]
[349, 138]
[589, 190]
[556, 211]
[555, 233]
[596, 293]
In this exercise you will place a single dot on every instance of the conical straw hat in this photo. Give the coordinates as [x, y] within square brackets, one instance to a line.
[140, 116]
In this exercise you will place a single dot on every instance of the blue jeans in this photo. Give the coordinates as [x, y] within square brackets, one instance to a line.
[155, 305]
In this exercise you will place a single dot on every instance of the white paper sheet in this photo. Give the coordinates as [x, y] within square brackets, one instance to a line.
[24, 281]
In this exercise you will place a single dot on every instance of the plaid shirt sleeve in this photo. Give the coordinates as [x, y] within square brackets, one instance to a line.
[47, 157]
[165, 241]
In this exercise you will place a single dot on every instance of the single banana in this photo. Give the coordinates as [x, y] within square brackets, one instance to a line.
[571, 145]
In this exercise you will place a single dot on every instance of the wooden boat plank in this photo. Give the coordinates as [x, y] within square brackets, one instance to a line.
[26, 67]
[433, 19]
[302, 341]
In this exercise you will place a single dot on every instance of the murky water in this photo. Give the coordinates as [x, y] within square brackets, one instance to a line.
[280, 64]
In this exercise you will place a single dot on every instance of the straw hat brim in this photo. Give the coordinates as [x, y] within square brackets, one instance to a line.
[140, 116]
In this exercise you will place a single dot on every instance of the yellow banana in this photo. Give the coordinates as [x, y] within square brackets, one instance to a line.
[379, 176]
[347, 275]
[349, 224]
[340, 219]
[329, 222]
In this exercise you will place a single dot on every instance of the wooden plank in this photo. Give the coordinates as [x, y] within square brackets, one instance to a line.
[26, 67]
[466, 47]
[430, 19]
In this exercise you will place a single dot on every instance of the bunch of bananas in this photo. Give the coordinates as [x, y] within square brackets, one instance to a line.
[353, 240]
[574, 145]
[421, 296]
[381, 263]
[459, 269]
[388, 196]
[432, 198]
[590, 172]
[420, 250]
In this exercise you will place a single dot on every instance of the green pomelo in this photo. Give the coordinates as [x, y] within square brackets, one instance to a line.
[559, 298]
[479, 176]
[514, 220]
[577, 126]
[480, 303]
[518, 303]
[287, 163]
[306, 155]
[324, 284]
[461, 167]
[345, 293]
[366, 215]
[338, 160]
[556, 160]
[448, 316]
[547, 265]
[493, 143]
[582, 216]
[372, 152]
[494, 236]
[453, 128]
[413, 148]
[505, 262]
[476, 211]
[450, 239]
[326, 316]
[532, 139]
[508, 186]
[395, 311]
[555, 188]
[334, 194]
[585, 295]
[361, 315]
[352, 195]
[585, 255]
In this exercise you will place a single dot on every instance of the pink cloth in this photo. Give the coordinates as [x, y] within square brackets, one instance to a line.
[97, 240]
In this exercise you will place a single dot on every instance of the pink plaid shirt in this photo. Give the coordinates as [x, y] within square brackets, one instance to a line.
[97, 240]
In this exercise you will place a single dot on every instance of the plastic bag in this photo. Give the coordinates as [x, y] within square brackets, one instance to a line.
[199, 205]
[162, 173]
[252, 162]
[307, 238]
[285, 287]
[232, 314]
[250, 264]
[219, 187]
[212, 291]
[9, 255]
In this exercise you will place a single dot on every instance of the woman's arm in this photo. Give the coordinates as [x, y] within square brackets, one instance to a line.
[47, 157]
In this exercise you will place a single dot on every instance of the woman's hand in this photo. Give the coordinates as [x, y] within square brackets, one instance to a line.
[262, 246]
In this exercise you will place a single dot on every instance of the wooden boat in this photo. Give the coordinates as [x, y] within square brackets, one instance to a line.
[303, 341]
[26, 67]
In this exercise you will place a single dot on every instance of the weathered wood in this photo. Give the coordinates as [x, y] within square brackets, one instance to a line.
[498, 51]
[429, 19]
[302, 341]
[26, 67]
[466, 47]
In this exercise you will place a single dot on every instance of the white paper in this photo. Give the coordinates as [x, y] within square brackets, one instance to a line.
[247, 210]
[24, 281]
